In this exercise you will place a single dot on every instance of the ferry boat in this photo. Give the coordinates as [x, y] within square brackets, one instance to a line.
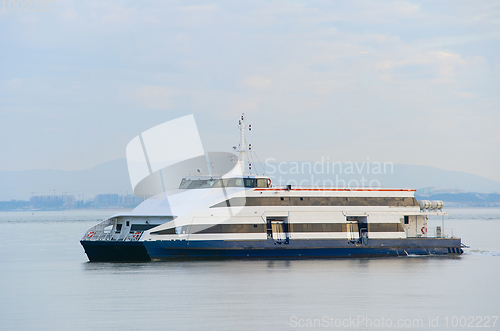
[242, 215]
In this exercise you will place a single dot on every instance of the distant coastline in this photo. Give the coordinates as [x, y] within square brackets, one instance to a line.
[81, 189]
[462, 199]
[68, 202]
[113, 177]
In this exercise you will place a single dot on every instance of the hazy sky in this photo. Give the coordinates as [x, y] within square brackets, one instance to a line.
[396, 81]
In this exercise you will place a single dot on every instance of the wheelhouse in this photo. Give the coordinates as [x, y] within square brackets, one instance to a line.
[210, 182]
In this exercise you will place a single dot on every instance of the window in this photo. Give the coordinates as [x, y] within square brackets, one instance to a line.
[406, 219]
[261, 182]
[219, 183]
[222, 183]
[249, 182]
[207, 183]
[235, 182]
[196, 184]
[108, 229]
[230, 182]
[191, 184]
[185, 184]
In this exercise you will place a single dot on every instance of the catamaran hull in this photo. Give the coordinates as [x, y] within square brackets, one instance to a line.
[115, 251]
[138, 251]
[168, 250]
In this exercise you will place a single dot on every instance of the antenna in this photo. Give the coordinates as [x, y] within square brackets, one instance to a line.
[242, 148]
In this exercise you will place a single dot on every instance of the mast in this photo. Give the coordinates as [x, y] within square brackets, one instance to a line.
[242, 148]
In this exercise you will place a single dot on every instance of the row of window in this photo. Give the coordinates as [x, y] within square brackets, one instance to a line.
[286, 227]
[318, 201]
[229, 182]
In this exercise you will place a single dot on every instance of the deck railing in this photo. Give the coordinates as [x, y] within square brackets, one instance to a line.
[439, 232]
[104, 231]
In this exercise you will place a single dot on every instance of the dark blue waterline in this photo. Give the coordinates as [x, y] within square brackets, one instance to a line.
[135, 251]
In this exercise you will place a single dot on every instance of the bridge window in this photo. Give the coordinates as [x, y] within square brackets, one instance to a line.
[230, 182]
[261, 182]
[249, 182]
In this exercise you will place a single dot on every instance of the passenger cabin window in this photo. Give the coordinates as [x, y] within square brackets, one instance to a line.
[229, 182]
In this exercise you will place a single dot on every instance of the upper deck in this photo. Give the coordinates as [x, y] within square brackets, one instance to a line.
[263, 185]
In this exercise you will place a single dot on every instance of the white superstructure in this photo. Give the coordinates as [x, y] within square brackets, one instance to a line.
[240, 213]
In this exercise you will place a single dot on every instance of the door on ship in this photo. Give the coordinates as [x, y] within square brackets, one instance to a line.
[358, 224]
[277, 229]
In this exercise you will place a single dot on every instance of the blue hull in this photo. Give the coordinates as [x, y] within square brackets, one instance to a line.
[165, 250]
[137, 251]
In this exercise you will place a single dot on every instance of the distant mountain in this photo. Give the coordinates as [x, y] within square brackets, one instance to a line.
[395, 176]
[469, 199]
[112, 177]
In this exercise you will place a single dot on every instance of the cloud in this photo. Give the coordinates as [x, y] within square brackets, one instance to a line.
[406, 7]
[257, 82]
[466, 95]
[302, 66]
[12, 83]
[442, 58]
[198, 8]
[448, 58]
[154, 97]
[69, 14]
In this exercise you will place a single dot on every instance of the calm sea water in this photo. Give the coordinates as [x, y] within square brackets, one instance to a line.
[46, 283]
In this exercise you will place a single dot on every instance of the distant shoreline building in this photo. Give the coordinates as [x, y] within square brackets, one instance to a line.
[52, 201]
[63, 202]
[115, 200]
